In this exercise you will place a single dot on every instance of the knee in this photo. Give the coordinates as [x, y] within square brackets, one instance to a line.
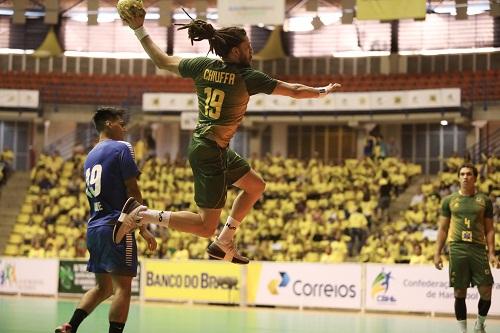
[259, 186]
[208, 229]
[207, 232]
[485, 293]
[460, 293]
[123, 292]
[104, 291]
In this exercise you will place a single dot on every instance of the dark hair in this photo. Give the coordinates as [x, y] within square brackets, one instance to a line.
[221, 40]
[106, 113]
[469, 166]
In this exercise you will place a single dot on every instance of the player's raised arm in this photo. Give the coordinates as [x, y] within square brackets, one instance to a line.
[135, 20]
[297, 90]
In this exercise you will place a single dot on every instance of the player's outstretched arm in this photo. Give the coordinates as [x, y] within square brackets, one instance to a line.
[135, 20]
[297, 90]
[444, 225]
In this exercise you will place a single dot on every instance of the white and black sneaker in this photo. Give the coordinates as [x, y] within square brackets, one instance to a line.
[128, 219]
[479, 328]
[226, 251]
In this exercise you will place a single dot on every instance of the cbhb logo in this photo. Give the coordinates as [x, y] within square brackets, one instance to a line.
[380, 287]
[274, 284]
[7, 274]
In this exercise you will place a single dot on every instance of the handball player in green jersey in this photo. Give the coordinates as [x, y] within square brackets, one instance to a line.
[467, 221]
[224, 87]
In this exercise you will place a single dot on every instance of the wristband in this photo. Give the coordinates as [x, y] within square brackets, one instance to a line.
[322, 92]
[140, 33]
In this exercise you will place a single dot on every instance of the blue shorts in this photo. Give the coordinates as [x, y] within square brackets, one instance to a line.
[108, 257]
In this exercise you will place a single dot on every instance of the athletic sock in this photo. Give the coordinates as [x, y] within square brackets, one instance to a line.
[115, 327]
[78, 316]
[462, 325]
[229, 230]
[483, 306]
[153, 216]
[480, 321]
[460, 309]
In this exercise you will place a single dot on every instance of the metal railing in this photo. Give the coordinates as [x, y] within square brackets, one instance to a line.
[489, 146]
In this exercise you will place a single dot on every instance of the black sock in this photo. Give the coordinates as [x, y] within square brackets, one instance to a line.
[78, 316]
[460, 309]
[483, 307]
[115, 327]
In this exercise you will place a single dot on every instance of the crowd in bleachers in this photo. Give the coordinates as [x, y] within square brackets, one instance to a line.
[6, 160]
[311, 211]
[53, 217]
[411, 237]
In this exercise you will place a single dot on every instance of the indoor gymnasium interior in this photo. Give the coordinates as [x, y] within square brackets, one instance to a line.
[356, 141]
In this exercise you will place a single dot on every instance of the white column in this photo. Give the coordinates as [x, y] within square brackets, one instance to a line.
[167, 139]
[279, 138]
[46, 125]
[473, 138]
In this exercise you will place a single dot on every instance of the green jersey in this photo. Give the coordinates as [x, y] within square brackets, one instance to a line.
[223, 90]
[467, 214]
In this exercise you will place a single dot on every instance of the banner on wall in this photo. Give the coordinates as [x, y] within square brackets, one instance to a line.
[351, 101]
[390, 9]
[205, 281]
[20, 98]
[416, 288]
[189, 120]
[74, 278]
[302, 284]
[28, 276]
[251, 12]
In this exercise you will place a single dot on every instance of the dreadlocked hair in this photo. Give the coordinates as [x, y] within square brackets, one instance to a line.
[221, 41]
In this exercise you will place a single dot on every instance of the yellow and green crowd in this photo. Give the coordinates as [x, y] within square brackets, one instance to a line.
[311, 211]
[411, 236]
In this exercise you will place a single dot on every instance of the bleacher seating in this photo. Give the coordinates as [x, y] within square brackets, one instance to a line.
[70, 88]
[308, 213]
[397, 241]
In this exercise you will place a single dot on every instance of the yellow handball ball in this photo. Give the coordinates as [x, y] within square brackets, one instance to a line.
[129, 6]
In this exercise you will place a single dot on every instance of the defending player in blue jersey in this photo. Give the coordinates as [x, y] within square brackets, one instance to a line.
[111, 177]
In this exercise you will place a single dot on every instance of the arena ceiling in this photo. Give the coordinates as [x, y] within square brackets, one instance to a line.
[293, 7]
[66, 5]
[69, 4]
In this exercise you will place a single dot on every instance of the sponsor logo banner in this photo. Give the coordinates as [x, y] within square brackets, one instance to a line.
[416, 288]
[302, 284]
[191, 280]
[28, 276]
[8, 275]
[74, 278]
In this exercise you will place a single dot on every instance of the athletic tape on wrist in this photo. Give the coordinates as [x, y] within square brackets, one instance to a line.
[140, 33]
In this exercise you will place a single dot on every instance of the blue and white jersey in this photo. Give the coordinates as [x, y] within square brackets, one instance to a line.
[106, 168]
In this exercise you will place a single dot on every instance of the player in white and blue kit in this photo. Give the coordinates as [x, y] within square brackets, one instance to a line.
[111, 177]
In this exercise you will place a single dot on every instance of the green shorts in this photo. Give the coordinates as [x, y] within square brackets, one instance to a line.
[469, 266]
[214, 170]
